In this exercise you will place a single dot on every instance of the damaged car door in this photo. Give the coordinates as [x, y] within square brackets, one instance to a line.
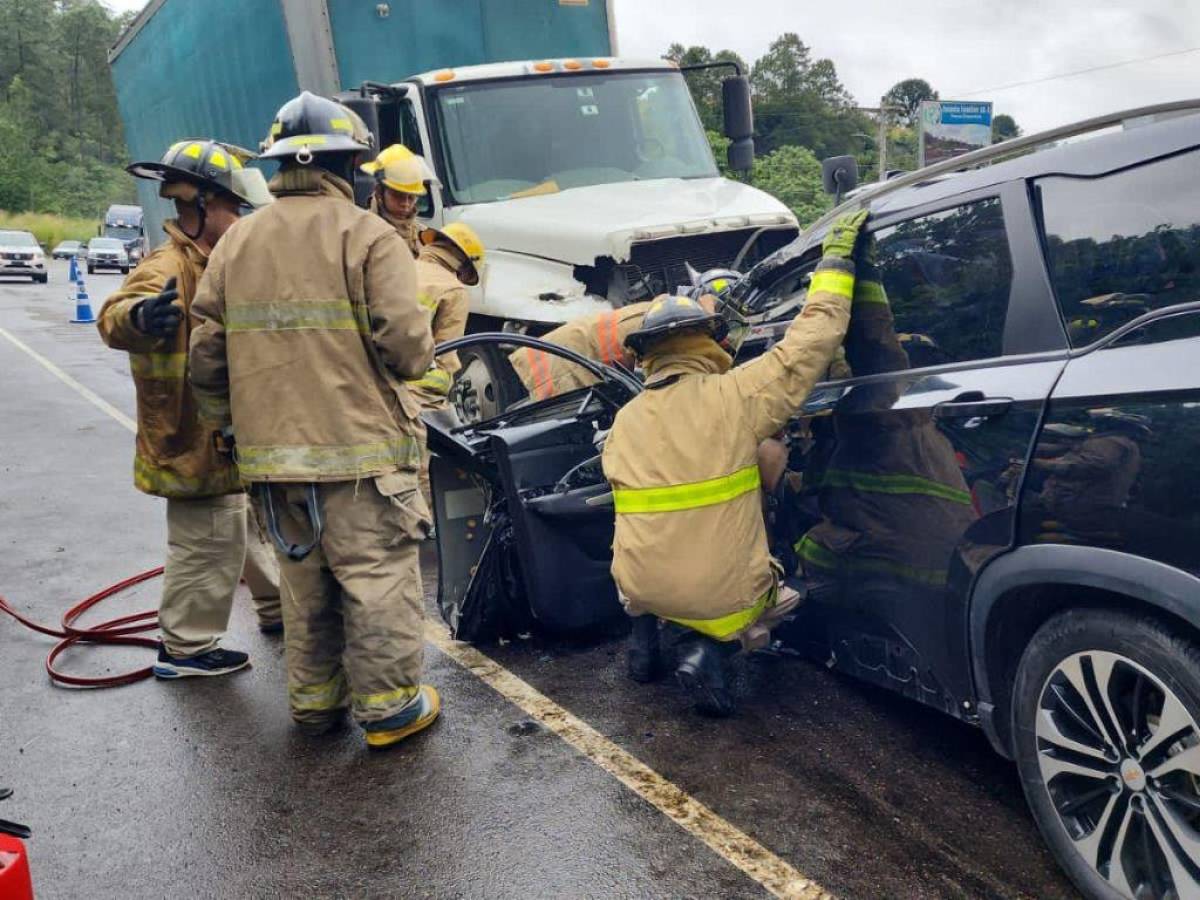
[523, 514]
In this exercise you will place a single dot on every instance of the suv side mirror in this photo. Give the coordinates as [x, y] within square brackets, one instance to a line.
[839, 174]
[739, 121]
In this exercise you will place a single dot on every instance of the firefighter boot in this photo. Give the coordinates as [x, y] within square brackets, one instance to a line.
[701, 672]
[416, 716]
[644, 657]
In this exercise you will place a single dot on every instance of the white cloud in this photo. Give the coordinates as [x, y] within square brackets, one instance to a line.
[957, 47]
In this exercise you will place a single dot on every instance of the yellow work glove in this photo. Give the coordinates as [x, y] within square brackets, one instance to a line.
[843, 233]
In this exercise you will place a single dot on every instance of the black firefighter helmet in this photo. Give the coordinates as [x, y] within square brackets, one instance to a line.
[209, 166]
[670, 315]
[308, 124]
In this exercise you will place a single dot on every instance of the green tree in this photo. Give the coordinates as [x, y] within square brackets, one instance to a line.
[793, 176]
[1004, 127]
[907, 96]
[705, 84]
[790, 174]
[60, 135]
[801, 102]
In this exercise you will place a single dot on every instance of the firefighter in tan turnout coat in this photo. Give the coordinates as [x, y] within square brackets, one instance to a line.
[176, 456]
[309, 326]
[691, 543]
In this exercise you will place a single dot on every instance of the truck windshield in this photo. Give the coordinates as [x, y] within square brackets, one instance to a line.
[546, 133]
[122, 232]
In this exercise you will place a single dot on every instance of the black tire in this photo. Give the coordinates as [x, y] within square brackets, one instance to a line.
[41, 279]
[1126, 664]
[91, 270]
[125, 270]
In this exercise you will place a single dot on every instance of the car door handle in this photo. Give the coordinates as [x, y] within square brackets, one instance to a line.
[972, 405]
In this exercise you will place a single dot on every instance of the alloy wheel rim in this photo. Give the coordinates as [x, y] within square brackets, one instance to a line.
[1119, 756]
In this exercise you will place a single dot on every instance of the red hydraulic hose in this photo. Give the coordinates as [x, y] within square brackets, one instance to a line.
[121, 631]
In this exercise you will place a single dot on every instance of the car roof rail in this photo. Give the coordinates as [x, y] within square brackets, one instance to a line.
[995, 152]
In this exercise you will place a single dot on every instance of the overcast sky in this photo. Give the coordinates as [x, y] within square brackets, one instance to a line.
[964, 49]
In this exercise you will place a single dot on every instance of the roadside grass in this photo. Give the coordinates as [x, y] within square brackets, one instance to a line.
[49, 228]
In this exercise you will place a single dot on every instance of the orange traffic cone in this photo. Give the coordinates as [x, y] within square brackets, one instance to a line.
[83, 304]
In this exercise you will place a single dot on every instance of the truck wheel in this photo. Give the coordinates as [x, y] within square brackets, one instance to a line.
[41, 279]
[91, 270]
[125, 270]
[1106, 718]
[485, 386]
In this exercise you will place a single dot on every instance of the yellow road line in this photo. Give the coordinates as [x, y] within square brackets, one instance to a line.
[726, 840]
[84, 391]
[722, 837]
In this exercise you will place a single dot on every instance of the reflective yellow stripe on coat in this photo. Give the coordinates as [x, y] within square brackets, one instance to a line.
[158, 366]
[676, 497]
[727, 626]
[296, 315]
[259, 463]
[436, 381]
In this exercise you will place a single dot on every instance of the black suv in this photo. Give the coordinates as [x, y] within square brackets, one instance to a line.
[999, 516]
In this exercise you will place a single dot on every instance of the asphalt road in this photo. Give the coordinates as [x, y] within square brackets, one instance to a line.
[205, 789]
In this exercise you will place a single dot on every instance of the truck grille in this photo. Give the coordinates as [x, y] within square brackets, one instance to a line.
[16, 255]
[655, 267]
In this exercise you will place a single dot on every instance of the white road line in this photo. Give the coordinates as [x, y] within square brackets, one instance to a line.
[722, 837]
[84, 391]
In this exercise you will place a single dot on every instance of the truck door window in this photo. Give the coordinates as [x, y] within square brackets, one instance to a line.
[410, 137]
[947, 276]
[1122, 245]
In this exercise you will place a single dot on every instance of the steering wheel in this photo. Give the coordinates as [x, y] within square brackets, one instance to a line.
[651, 150]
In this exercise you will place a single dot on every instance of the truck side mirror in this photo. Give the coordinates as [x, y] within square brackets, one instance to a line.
[739, 121]
[839, 175]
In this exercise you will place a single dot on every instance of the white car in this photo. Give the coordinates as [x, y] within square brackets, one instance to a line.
[21, 254]
[107, 253]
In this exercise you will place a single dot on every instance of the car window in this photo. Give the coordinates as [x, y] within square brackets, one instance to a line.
[17, 239]
[1122, 245]
[947, 277]
[107, 244]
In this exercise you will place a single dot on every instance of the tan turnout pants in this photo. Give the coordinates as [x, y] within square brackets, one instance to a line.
[353, 609]
[209, 546]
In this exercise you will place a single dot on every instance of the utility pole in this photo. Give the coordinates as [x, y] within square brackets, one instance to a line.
[883, 110]
[881, 115]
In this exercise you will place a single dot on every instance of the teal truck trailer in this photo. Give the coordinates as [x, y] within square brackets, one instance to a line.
[221, 68]
[588, 175]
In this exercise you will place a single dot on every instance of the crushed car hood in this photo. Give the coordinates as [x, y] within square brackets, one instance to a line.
[580, 224]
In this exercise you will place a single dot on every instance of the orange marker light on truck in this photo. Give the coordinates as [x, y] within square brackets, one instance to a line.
[543, 67]
[444, 75]
[572, 64]
[600, 64]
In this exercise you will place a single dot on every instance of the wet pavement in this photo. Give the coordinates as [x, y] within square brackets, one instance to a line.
[204, 789]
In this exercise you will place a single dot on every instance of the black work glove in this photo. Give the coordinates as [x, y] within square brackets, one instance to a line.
[157, 315]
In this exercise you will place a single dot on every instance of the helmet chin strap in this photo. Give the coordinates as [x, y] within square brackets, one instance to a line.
[202, 213]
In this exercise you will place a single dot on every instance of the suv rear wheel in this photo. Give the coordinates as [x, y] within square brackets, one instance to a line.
[1106, 707]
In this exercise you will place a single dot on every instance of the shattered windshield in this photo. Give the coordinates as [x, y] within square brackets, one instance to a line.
[530, 136]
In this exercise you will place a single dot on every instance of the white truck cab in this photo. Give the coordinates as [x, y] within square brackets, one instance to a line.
[590, 181]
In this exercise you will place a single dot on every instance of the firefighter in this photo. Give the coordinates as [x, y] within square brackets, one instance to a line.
[600, 336]
[682, 458]
[449, 263]
[309, 326]
[209, 543]
[400, 177]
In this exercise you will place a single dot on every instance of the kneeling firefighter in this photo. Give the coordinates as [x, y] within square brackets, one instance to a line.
[309, 326]
[682, 458]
